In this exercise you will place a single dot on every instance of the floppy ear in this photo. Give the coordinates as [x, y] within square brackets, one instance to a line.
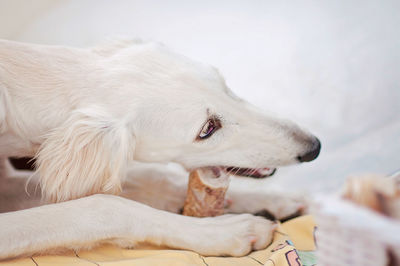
[88, 154]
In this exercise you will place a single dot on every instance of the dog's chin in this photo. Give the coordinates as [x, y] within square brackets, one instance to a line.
[245, 172]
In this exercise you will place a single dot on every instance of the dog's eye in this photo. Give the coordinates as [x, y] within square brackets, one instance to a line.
[209, 128]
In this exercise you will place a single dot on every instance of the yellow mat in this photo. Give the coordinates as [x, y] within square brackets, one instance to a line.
[293, 245]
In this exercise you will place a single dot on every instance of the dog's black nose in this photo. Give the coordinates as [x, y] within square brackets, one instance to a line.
[312, 154]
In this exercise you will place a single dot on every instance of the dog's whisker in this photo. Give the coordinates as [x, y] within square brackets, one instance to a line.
[237, 171]
[229, 172]
[254, 171]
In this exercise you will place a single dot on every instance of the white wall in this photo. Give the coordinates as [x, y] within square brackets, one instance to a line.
[332, 66]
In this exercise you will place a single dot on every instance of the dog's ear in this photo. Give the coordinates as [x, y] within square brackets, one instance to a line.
[88, 154]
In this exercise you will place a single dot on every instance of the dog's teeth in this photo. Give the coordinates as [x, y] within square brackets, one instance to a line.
[266, 171]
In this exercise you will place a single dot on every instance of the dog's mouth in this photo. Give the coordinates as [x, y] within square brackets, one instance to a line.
[247, 172]
[219, 171]
[250, 172]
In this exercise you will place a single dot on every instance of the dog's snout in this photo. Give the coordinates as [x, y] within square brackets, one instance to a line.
[312, 154]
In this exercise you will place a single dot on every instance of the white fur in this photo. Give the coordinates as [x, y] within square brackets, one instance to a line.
[86, 155]
[85, 114]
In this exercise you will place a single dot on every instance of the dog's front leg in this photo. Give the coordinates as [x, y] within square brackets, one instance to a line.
[157, 185]
[271, 201]
[105, 218]
[165, 188]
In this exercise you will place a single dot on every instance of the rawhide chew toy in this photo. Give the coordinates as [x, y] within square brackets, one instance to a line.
[206, 192]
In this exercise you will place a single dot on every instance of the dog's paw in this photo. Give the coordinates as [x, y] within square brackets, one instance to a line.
[234, 235]
[273, 205]
[286, 208]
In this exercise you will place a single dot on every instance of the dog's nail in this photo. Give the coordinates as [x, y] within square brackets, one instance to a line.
[252, 239]
[301, 208]
[228, 202]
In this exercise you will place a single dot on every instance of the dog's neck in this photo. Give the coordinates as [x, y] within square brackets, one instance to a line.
[30, 77]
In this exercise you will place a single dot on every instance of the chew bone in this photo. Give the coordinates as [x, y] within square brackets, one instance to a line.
[206, 192]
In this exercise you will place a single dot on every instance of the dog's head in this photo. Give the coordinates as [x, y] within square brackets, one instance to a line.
[187, 114]
[158, 106]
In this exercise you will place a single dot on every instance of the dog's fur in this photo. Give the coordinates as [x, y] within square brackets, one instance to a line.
[86, 114]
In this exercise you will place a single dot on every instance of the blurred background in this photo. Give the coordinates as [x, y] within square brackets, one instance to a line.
[331, 66]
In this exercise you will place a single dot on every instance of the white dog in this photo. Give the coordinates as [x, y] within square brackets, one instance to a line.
[86, 114]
